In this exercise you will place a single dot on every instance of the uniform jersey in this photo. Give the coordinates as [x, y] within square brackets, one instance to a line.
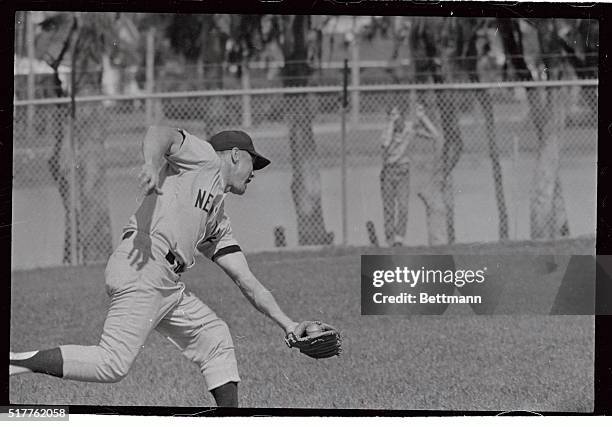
[190, 212]
[395, 144]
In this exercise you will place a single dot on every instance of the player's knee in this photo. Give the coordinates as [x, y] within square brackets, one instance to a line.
[116, 376]
[215, 345]
[215, 355]
[114, 368]
[222, 334]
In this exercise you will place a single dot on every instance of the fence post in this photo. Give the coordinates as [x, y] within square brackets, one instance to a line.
[74, 258]
[343, 157]
[150, 82]
[517, 184]
[31, 75]
[247, 118]
[355, 79]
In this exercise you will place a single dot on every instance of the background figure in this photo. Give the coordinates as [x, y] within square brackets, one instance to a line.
[395, 174]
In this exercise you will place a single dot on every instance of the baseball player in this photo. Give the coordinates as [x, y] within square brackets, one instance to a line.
[185, 180]
[395, 173]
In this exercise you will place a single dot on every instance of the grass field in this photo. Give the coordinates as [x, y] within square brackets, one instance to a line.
[452, 362]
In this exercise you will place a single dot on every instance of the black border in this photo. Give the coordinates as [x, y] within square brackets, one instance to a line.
[603, 323]
[601, 11]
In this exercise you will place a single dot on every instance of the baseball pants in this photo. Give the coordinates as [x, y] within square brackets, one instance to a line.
[395, 191]
[146, 294]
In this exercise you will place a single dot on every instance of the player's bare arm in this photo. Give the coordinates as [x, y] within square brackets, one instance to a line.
[236, 267]
[158, 141]
[313, 338]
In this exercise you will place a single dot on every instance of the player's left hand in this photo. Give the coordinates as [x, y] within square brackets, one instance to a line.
[315, 339]
[149, 179]
[141, 252]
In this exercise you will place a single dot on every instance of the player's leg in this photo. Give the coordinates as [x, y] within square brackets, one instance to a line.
[48, 362]
[205, 340]
[387, 193]
[226, 395]
[403, 194]
[137, 304]
[132, 315]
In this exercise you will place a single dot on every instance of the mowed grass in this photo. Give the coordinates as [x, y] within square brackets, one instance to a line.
[449, 362]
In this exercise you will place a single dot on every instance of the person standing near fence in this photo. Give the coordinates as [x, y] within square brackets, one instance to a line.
[399, 133]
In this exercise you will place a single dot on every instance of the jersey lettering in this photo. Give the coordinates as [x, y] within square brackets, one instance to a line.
[200, 203]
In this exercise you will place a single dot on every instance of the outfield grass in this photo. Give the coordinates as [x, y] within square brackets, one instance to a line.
[453, 362]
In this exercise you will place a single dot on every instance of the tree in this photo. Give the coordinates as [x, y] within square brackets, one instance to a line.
[299, 50]
[201, 40]
[548, 110]
[299, 39]
[78, 152]
[473, 54]
[579, 39]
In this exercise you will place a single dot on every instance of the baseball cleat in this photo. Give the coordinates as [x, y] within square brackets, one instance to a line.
[16, 369]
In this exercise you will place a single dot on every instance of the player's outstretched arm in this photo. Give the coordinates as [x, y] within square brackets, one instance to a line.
[158, 141]
[236, 267]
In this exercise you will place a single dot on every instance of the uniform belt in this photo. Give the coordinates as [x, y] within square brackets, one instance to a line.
[170, 257]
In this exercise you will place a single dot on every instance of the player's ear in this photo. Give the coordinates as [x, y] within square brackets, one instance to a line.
[235, 155]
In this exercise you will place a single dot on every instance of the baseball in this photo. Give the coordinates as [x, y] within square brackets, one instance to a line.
[313, 329]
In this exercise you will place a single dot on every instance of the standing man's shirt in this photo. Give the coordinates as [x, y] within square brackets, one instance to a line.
[395, 144]
[190, 212]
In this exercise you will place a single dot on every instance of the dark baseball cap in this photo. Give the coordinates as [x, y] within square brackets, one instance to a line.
[228, 139]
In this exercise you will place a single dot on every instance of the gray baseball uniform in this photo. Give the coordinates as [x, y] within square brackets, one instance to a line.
[143, 275]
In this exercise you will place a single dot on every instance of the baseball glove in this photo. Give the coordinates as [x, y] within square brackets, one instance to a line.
[323, 342]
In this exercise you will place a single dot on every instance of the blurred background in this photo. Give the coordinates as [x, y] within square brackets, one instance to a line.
[515, 101]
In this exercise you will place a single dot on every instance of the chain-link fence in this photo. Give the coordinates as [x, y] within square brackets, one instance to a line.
[511, 161]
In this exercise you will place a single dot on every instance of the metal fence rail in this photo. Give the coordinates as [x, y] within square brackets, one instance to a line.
[101, 155]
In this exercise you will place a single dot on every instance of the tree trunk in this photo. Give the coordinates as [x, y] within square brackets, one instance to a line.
[548, 213]
[59, 175]
[95, 243]
[86, 150]
[502, 212]
[548, 111]
[478, 65]
[55, 161]
[94, 238]
[548, 217]
[451, 151]
[306, 181]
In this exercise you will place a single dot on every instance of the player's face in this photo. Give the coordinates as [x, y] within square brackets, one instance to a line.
[243, 173]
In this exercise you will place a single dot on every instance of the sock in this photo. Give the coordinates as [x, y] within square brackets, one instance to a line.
[48, 362]
[226, 395]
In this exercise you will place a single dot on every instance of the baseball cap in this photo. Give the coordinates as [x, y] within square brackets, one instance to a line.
[228, 139]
